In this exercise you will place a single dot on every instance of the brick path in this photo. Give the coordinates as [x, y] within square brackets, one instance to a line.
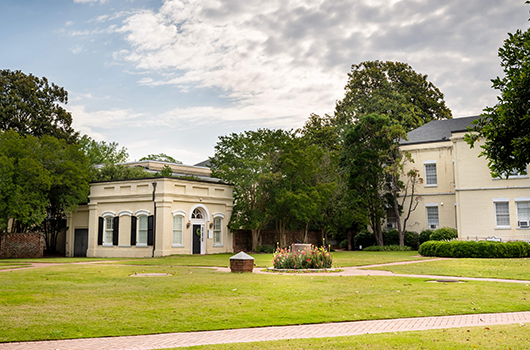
[169, 340]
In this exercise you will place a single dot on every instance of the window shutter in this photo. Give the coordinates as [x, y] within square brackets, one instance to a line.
[116, 230]
[100, 230]
[133, 230]
[150, 230]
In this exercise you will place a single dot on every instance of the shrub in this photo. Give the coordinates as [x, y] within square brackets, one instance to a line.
[316, 258]
[473, 249]
[363, 238]
[425, 236]
[344, 244]
[388, 248]
[444, 234]
[267, 249]
[391, 237]
[412, 239]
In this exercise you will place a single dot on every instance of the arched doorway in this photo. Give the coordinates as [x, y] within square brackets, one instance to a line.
[198, 217]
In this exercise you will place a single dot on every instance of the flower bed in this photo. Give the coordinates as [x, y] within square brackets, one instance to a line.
[315, 258]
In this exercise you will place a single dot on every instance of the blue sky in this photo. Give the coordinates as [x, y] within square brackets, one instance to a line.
[172, 75]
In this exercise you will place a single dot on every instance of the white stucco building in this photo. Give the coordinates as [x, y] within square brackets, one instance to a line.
[153, 216]
[458, 190]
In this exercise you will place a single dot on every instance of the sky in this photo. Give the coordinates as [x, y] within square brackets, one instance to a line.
[171, 76]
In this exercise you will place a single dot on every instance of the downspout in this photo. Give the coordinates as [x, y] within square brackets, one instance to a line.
[154, 219]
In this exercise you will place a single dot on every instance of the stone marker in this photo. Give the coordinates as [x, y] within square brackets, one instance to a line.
[241, 262]
[298, 247]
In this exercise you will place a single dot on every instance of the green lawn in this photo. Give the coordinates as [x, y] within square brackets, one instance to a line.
[361, 258]
[490, 337]
[72, 301]
[490, 268]
[12, 265]
[340, 259]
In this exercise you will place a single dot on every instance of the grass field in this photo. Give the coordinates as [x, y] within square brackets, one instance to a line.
[487, 268]
[94, 300]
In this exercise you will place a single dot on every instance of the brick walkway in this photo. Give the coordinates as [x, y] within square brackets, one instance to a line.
[169, 340]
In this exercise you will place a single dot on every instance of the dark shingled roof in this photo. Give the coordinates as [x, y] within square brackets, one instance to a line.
[204, 163]
[438, 130]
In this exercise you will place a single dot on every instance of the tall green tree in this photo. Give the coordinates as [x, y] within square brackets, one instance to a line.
[101, 152]
[393, 89]
[506, 126]
[38, 178]
[32, 106]
[298, 191]
[245, 161]
[369, 148]
[162, 157]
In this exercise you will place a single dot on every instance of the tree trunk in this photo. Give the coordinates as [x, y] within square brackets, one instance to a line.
[378, 234]
[401, 230]
[255, 238]
[306, 229]
[350, 240]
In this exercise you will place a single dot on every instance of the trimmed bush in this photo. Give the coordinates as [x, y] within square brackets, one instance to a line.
[363, 238]
[473, 249]
[344, 244]
[444, 234]
[267, 249]
[425, 236]
[388, 248]
[391, 237]
[412, 240]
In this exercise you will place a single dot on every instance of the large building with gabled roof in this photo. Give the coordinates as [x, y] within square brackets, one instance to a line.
[458, 190]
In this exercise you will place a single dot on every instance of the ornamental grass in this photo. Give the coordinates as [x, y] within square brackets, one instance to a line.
[316, 258]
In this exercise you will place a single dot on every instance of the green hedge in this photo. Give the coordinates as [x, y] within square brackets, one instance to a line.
[474, 249]
[387, 248]
[444, 234]
[391, 237]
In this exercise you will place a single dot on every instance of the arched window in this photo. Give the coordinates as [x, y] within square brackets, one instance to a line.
[197, 214]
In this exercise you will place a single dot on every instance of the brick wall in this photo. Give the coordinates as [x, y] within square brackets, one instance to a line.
[243, 238]
[21, 245]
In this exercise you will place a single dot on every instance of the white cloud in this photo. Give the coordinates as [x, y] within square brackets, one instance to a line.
[89, 1]
[279, 60]
[94, 123]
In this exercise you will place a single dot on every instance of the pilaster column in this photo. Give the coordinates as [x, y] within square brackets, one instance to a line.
[92, 230]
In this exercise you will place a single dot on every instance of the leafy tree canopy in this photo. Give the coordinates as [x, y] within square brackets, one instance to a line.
[161, 157]
[506, 126]
[114, 172]
[245, 161]
[369, 148]
[31, 106]
[393, 89]
[101, 152]
[37, 174]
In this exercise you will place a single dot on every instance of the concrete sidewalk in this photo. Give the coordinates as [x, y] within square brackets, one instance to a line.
[169, 340]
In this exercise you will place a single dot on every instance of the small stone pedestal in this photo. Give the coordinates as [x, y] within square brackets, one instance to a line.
[298, 247]
[241, 262]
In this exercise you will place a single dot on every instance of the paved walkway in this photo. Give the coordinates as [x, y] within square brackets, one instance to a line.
[172, 340]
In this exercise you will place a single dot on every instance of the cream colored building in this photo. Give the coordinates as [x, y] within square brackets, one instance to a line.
[458, 190]
[153, 216]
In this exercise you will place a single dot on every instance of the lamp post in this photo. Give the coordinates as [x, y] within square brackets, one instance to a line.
[154, 219]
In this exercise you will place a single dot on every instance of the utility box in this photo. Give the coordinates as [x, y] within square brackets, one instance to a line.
[241, 262]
